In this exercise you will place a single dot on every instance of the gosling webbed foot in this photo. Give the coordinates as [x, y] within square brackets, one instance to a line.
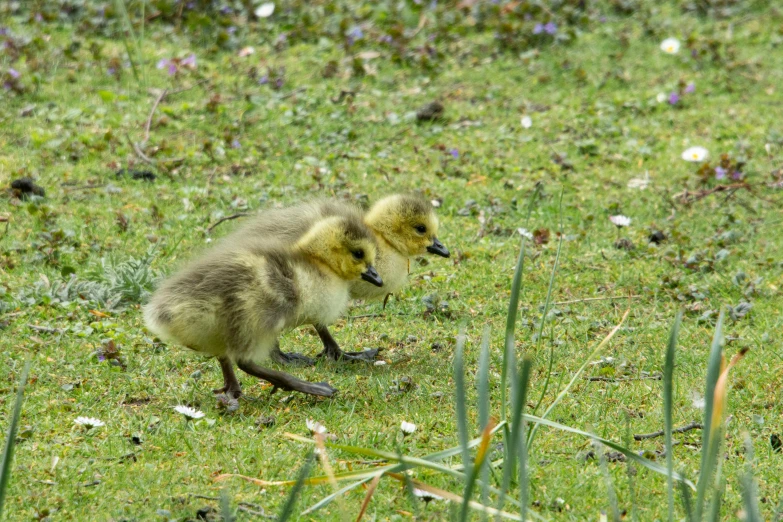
[366, 356]
[290, 358]
[233, 392]
[285, 381]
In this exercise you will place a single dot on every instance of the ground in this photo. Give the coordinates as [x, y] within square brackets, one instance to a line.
[225, 140]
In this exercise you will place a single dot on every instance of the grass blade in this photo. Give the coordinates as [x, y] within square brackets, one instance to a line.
[290, 502]
[459, 398]
[10, 441]
[668, 405]
[749, 493]
[225, 506]
[687, 501]
[484, 407]
[547, 303]
[599, 449]
[519, 409]
[709, 444]
[478, 465]
[326, 500]
[511, 315]
[368, 497]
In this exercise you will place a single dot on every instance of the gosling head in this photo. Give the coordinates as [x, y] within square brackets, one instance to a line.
[345, 245]
[408, 223]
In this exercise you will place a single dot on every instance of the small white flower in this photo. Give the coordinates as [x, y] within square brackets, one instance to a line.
[661, 97]
[407, 427]
[315, 427]
[188, 412]
[246, 51]
[525, 233]
[527, 122]
[435, 203]
[670, 46]
[265, 10]
[88, 422]
[380, 363]
[426, 496]
[639, 183]
[695, 154]
[620, 221]
[697, 401]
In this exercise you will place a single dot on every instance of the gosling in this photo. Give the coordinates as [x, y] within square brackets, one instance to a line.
[404, 226]
[235, 301]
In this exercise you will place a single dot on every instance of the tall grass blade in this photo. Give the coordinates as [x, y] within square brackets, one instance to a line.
[749, 492]
[709, 441]
[120, 7]
[368, 497]
[519, 406]
[547, 303]
[484, 409]
[631, 470]
[511, 315]
[717, 500]
[510, 463]
[668, 405]
[10, 440]
[687, 501]
[290, 502]
[615, 510]
[225, 506]
[459, 399]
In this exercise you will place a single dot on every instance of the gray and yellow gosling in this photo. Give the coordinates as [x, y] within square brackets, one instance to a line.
[236, 300]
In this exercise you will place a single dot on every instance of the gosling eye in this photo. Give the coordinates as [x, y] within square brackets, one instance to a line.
[421, 229]
[358, 254]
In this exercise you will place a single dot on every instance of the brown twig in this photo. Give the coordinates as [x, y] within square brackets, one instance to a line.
[160, 97]
[683, 429]
[688, 197]
[140, 153]
[225, 218]
[598, 299]
[656, 377]
[45, 329]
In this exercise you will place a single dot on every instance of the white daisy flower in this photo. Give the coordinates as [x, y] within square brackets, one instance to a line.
[661, 97]
[88, 422]
[670, 46]
[380, 363]
[435, 203]
[695, 154]
[426, 496]
[525, 233]
[620, 221]
[407, 427]
[527, 122]
[639, 183]
[265, 10]
[315, 426]
[188, 412]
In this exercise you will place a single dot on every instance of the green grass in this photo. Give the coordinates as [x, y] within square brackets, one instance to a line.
[593, 101]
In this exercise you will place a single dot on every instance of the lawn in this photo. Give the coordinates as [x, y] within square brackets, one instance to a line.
[146, 127]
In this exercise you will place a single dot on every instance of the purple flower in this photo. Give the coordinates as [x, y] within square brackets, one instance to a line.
[190, 61]
[736, 175]
[550, 28]
[279, 82]
[231, 30]
[691, 87]
[101, 357]
[3, 31]
[454, 153]
[235, 144]
[111, 71]
[720, 173]
[385, 39]
[356, 33]
[264, 79]
[14, 73]
[538, 29]
[225, 10]
[165, 63]
[38, 17]
[674, 98]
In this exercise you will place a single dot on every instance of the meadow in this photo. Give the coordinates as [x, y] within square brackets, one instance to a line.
[150, 128]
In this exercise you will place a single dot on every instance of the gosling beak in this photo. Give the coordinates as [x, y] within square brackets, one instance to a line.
[371, 276]
[438, 248]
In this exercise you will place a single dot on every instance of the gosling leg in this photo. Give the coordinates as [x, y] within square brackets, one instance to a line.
[333, 351]
[231, 386]
[286, 382]
[289, 358]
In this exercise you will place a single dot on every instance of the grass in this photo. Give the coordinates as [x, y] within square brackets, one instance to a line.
[592, 102]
